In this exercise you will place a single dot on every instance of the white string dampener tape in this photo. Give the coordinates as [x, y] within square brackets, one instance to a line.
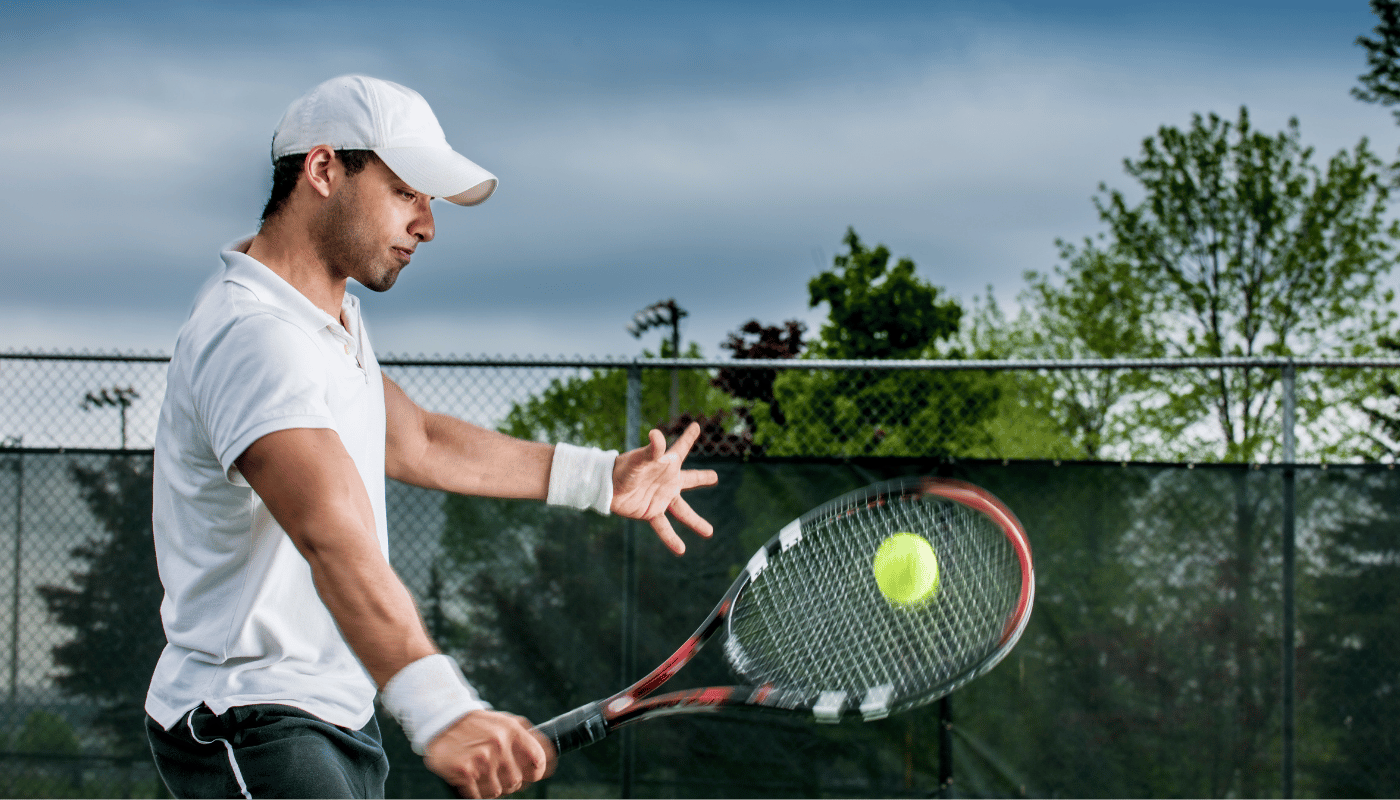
[427, 697]
[581, 477]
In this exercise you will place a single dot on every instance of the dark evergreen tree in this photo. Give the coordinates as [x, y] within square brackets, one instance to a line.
[113, 603]
[1350, 658]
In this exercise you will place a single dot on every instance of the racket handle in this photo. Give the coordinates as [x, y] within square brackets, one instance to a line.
[575, 729]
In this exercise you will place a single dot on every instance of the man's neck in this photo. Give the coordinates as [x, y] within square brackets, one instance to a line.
[296, 261]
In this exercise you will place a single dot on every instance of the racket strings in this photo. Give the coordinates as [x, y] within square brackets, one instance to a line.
[815, 618]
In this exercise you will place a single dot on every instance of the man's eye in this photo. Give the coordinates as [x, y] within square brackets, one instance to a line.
[408, 195]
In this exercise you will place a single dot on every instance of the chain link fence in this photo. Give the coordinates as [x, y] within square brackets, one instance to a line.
[1155, 663]
[1164, 410]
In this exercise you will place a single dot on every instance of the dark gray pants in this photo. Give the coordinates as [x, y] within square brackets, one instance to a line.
[267, 751]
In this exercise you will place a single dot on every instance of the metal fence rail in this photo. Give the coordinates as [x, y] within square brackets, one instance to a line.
[959, 408]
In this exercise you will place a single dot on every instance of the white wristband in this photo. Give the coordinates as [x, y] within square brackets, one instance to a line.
[581, 477]
[427, 697]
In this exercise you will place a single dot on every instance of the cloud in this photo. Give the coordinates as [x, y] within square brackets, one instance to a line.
[640, 159]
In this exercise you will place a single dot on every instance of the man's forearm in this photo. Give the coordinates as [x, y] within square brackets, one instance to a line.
[459, 457]
[307, 480]
[314, 491]
[370, 604]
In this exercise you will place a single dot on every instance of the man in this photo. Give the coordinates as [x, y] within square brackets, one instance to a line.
[282, 615]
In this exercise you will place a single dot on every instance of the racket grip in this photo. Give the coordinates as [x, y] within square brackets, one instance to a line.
[575, 729]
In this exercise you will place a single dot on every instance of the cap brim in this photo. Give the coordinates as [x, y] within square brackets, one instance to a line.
[440, 172]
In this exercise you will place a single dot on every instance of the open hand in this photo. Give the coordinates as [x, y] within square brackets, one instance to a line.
[648, 481]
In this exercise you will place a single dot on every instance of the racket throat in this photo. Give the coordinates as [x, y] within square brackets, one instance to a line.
[576, 729]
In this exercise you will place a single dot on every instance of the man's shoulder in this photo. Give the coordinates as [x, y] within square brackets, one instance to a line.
[227, 317]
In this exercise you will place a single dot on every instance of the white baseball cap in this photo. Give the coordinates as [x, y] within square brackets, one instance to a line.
[355, 112]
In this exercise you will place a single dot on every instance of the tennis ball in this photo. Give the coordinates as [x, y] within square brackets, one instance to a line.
[906, 569]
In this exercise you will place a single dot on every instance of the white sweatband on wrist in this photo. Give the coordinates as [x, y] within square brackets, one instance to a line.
[582, 477]
[427, 697]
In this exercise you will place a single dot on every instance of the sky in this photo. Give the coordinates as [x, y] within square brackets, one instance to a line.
[714, 153]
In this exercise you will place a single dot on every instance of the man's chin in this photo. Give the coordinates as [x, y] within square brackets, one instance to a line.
[381, 282]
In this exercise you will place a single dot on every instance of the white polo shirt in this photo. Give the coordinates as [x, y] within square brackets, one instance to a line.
[243, 621]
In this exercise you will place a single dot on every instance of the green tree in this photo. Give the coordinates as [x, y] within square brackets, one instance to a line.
[1091, 306]
[1381, 82]
[1240, 246]
[877, 311]
[1351, 656]
[48, 733]
[1251, 249]
[1384, 436]
[592, 409]
[113, 604]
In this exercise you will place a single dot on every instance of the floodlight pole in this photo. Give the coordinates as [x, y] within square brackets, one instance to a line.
[116, 396]
[675, 353]
[663, 313]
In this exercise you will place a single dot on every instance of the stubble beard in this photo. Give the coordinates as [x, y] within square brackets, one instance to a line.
[344, 243]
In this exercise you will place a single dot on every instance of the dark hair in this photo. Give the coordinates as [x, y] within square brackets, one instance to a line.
[287, 169]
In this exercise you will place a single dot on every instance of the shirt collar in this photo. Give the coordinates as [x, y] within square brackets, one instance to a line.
[270, 288]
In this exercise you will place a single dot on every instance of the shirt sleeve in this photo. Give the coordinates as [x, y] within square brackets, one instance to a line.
[260, 375]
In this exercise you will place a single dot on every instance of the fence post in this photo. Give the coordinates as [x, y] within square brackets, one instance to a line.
[18, 467]
[631, 439]
[945, 747]
[1289, 574]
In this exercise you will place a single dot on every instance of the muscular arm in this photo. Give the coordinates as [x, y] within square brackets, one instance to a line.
[441, 452]
[310, 484]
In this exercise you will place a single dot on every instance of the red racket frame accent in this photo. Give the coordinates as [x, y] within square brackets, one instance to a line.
[594, 721]
[984, 501]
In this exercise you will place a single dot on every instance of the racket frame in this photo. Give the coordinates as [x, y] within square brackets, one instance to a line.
[593, 722]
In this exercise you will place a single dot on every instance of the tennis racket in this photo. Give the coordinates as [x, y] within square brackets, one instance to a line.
[807, 629]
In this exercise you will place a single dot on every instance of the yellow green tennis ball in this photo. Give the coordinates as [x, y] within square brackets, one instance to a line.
[906, 569]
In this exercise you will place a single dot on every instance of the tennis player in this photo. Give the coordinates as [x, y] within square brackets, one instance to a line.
[282, 614]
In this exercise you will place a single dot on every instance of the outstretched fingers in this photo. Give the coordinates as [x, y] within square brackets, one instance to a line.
[653, 483]
[667, 534]
[686, 515]
[691, 478]
[686, 440]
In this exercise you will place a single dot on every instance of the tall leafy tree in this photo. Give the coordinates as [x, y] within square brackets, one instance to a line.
[1241, 245]
[1381, 82]
[1091, 306]
[1385, 420]
[878, 311]
[1251, 249]
[113, 602]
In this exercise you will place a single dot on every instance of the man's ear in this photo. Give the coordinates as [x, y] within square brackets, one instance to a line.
[319, 167]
